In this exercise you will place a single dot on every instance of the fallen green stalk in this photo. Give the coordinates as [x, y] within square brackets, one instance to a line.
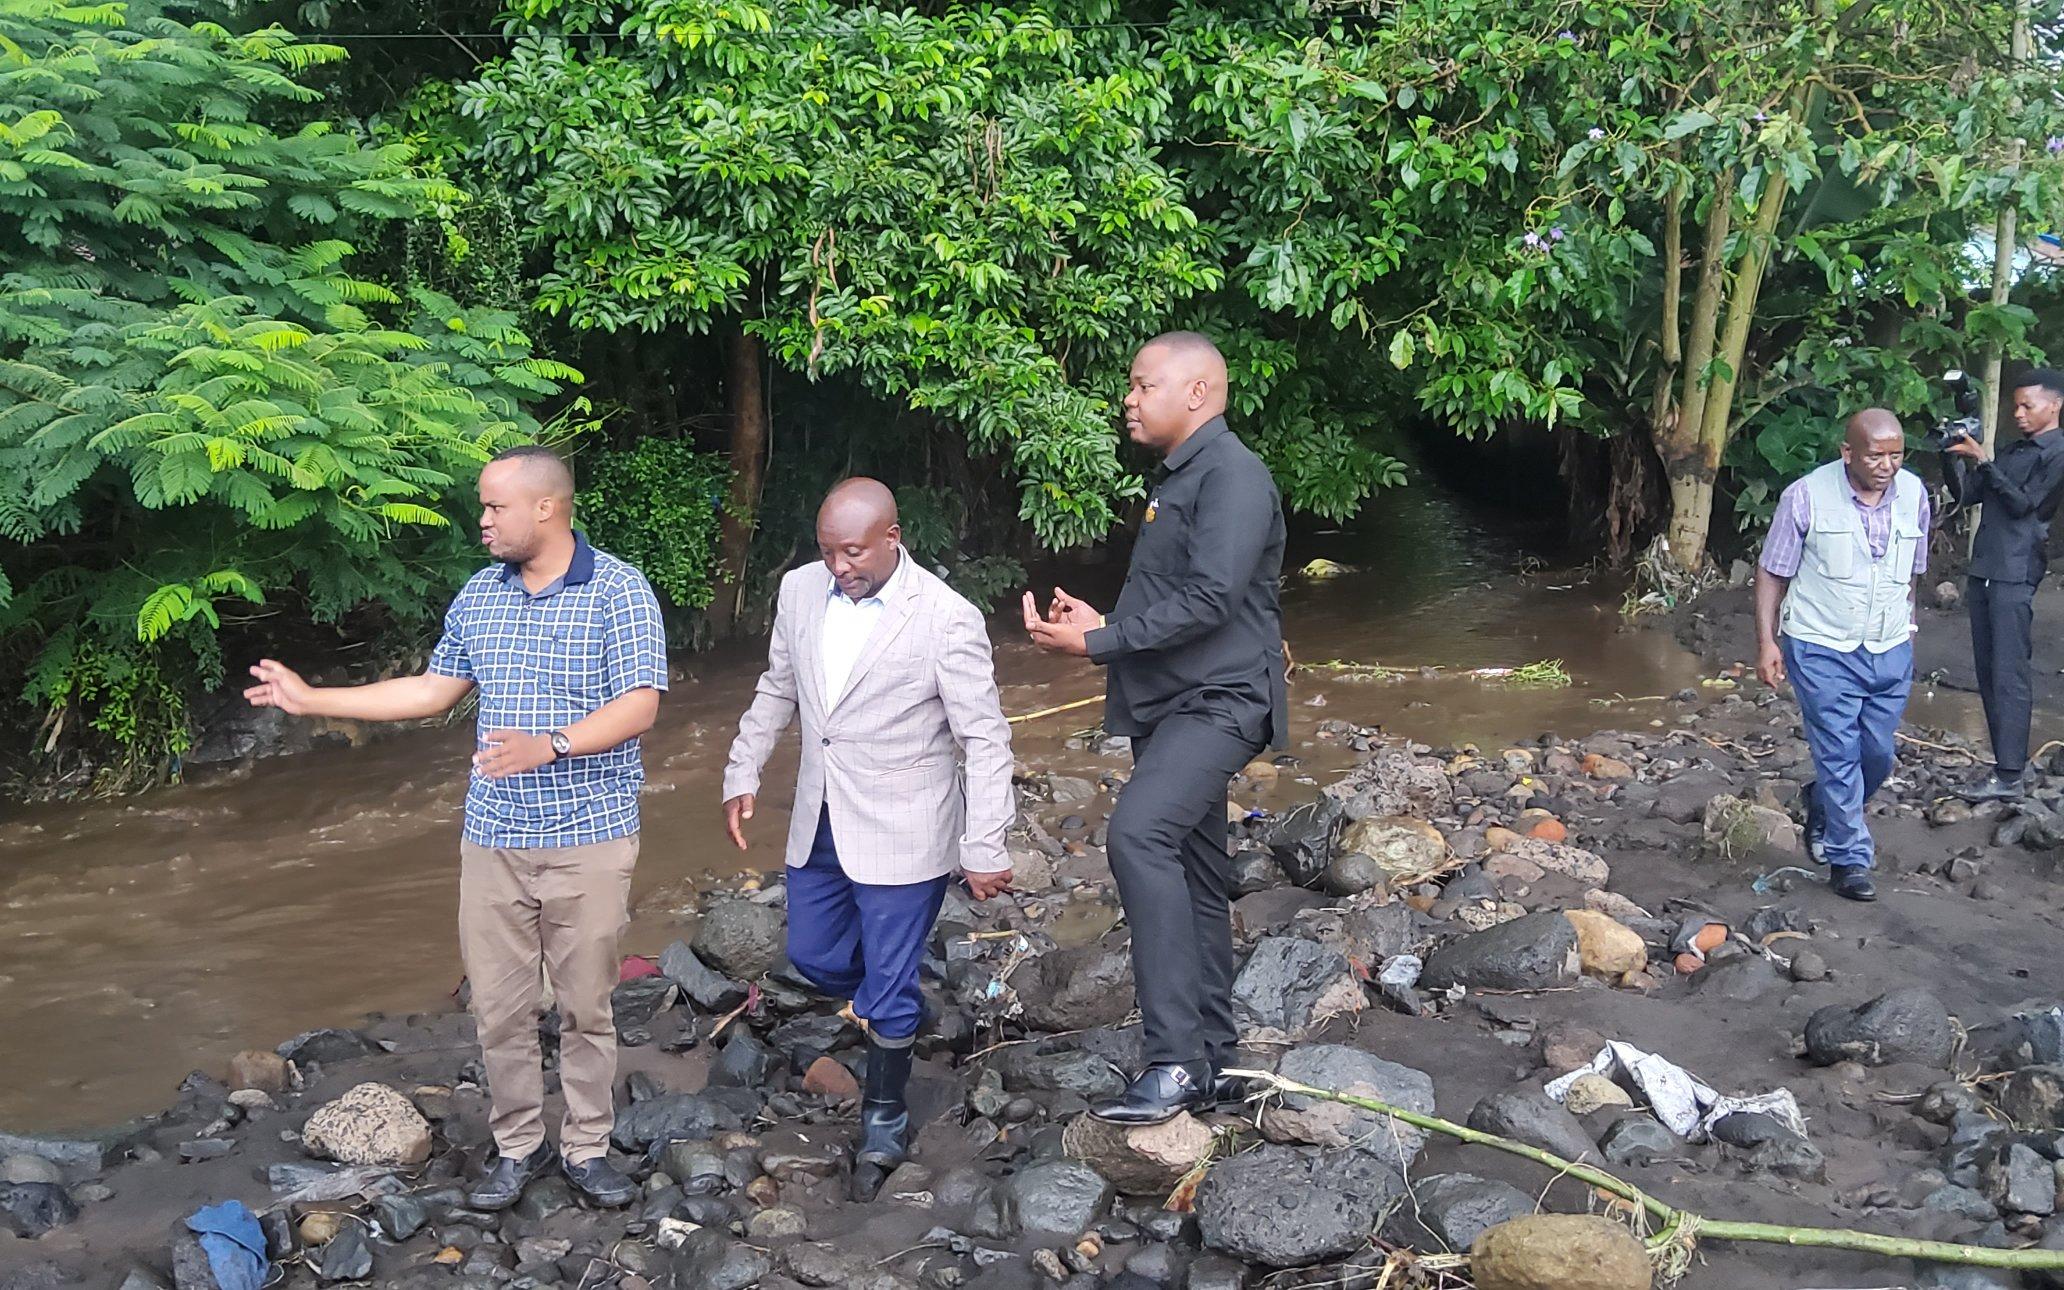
[1681, 1227]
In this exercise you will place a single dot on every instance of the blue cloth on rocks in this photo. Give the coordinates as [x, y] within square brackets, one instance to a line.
[234, 1243]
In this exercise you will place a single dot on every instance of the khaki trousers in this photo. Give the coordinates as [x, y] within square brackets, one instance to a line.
[562, 908]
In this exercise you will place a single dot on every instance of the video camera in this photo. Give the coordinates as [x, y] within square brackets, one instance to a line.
[1965, 425]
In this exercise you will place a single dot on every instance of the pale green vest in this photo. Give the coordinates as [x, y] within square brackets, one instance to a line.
[1841, 598]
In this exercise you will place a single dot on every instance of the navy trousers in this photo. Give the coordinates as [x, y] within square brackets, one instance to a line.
[1852, 703]
[861, 941]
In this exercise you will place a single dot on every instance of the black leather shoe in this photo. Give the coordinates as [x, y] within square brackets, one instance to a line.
[1853, 882]
[1994, 788]
[1816, 826]
[1161, 1093]
[884, 1120]
[601, 1183]
[507, 1177]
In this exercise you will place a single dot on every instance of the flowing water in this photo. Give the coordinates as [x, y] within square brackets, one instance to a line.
[144, 938]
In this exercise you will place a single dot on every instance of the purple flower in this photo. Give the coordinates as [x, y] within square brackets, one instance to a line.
[2055, 144]
[1556, 234]
[1760, 117]
[1594, 134]
[1533, 240]
[1569, 36]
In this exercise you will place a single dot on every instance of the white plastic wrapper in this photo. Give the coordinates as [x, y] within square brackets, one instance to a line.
[1686, 1104]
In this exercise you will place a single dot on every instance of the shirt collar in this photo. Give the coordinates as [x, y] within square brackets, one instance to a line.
[579, 571]
[884, 593]
[1193, 445]
[1884, 499]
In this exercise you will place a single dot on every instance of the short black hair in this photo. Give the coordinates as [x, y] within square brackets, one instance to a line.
[2047, 377]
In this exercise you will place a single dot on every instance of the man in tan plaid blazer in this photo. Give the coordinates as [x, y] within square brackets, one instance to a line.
[905, 778]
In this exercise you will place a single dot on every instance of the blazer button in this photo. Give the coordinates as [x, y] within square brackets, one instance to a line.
[825, 742]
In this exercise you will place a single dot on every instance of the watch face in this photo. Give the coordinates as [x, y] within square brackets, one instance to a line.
[561, 744]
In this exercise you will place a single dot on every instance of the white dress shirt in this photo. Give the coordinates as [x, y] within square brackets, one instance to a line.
[847, 625]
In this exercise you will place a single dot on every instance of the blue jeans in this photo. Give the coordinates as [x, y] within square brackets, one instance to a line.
[861, 941]
[1852, 703]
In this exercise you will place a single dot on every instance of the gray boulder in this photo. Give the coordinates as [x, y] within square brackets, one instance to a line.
[1534, 952]
[740, 938]
[1290, 988]
[1905, 1025]
[1316, 1122]
[31, 1209]
[1526, 1114]
[710, 990]
[1284, 1208]
[1447, 1212]
[1060, 1197]
[676, 1116]
[1071, 989]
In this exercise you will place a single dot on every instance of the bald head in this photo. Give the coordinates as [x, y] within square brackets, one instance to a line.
[858, 536]
[526, 504]
[1873, 449]
[1178, 384]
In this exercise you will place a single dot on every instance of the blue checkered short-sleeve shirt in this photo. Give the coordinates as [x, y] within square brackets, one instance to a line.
[543, 662]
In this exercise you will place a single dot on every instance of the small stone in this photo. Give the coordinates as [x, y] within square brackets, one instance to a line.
[1299, 1119]
[828, 1078]
[29, 1169]
[1604, 947]
[1598, 766]
[1638, 1140]
[200, 1149]
[255, 1068]
[1559, 1252]
[1594, 1093]
[776, 1223]
[346, 1258]
[2034, 1097]
[320, 1227]
[2020, 1182]
[1808, 966]
[1735, 829]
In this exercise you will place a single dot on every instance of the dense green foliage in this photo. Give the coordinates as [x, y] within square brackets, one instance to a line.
[656, 505]
[200, 404]
[270, 309]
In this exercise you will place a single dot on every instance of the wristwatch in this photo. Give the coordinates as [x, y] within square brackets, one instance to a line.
[562, 745]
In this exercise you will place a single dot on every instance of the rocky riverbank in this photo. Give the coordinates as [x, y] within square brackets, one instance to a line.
[1448, 929]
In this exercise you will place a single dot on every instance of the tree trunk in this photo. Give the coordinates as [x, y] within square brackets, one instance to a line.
[2002, 272]
[1680, 440]
[748, 396]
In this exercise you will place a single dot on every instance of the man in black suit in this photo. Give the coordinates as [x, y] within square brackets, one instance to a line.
[1193, 656]
[2020, 492]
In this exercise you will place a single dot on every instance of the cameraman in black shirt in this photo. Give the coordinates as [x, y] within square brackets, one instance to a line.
[2020, 492]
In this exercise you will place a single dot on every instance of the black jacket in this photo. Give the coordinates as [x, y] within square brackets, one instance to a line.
[1198, 627]
[2019, 490]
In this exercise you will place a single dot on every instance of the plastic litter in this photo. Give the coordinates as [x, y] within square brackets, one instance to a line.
[234, 1243]
[1686, 1104]
[1767, 883]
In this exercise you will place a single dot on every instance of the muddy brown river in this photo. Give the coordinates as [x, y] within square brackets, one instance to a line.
[144, 938]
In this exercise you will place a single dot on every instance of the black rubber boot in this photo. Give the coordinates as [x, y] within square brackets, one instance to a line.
[884, 1119]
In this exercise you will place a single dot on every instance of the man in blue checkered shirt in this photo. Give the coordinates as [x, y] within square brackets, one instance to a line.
[566, 647]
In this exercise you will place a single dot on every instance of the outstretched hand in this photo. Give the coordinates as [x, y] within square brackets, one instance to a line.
[279, 686]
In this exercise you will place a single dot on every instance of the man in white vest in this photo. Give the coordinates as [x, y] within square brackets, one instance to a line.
[1834, 614]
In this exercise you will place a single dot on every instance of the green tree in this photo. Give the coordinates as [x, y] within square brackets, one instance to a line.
[200, 404]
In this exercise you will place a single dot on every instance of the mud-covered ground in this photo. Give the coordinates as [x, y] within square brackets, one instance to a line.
[742, 1137]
